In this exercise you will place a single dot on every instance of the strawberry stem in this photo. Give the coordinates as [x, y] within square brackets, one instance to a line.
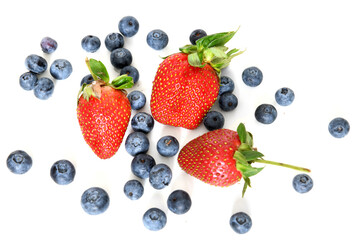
[282, 165]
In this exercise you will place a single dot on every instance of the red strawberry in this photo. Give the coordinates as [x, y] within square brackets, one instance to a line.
[187, 84]
[222, 157]
[104, 111]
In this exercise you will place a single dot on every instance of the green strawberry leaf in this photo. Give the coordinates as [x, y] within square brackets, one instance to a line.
[122, 82]
[251, 155]
[98, 69]
[246, 184]
[188, 49]
[195, 60]
[241, 130]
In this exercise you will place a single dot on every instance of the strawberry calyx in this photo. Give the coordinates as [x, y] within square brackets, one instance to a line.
[246, 155]
[101, 78]
[211, 50]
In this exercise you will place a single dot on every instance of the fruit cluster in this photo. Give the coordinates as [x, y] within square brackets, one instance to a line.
[36, 65]
[220, 157]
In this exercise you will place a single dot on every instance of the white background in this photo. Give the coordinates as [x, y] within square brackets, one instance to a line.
[310, 46]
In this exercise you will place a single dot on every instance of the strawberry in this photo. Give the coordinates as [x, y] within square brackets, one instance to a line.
[223, 156]
[103, 110]
[187, 83]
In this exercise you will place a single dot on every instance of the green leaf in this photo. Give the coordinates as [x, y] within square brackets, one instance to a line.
[241, 130]
[122, 82]
[188, 49]
[248, 170]
[249, 139]
[251, 155]
[99, 69]
[240, 158]
[246, 184]
[217, 39]
[195, 60]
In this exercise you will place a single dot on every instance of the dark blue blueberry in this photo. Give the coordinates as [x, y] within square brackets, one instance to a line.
[179, 202]
[90, 43]
[339, 127]
[28, 81]
[44, 88]
[302, 183]
[62, 172]
[61, 69]
[160, 176]
[130, 71]
[137, 100]
[226, 85]
[48, 45]
[228, 101]
[36, 64]
[142, 122]
[284, 96]
[87, 79]
[154, 219]
[114, 41]
[252, 76]
[95, 201]
[265, 113]
[137, 142]
[214, 120]
[133, 189]
[240, 222]
[19, 162]
[157, 39]
[142, 164]
[167, 146]
[120, 57]
[128, 26]
[196, 35]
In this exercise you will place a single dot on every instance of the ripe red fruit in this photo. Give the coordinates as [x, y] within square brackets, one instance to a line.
[186, 84]
[103, 110]
[222, 157]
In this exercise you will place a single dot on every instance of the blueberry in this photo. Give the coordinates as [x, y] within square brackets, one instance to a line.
[179, 202]
[214, 120]
[339, 127]
[154, 219]
[302, 183]
[160, 176]
[87, 79]
[90, 43]
[167, 146]
[228, 101]
[95, 201]
[252, 76]
[128, 26]
[142, 122]
[137, 100]
[62, 172]
[196, 35]
[120, 57]
[36, 64]
[284, 96]
[28, 81]
[114, 41]
[240, 222]
[265, 113]
[157, 39]
[19, 162]
[142, 164]
[44, 88]
[48, 45]
[226, 85]
[131, 71]
[61, 69]
[136, 142]
[133, 189]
